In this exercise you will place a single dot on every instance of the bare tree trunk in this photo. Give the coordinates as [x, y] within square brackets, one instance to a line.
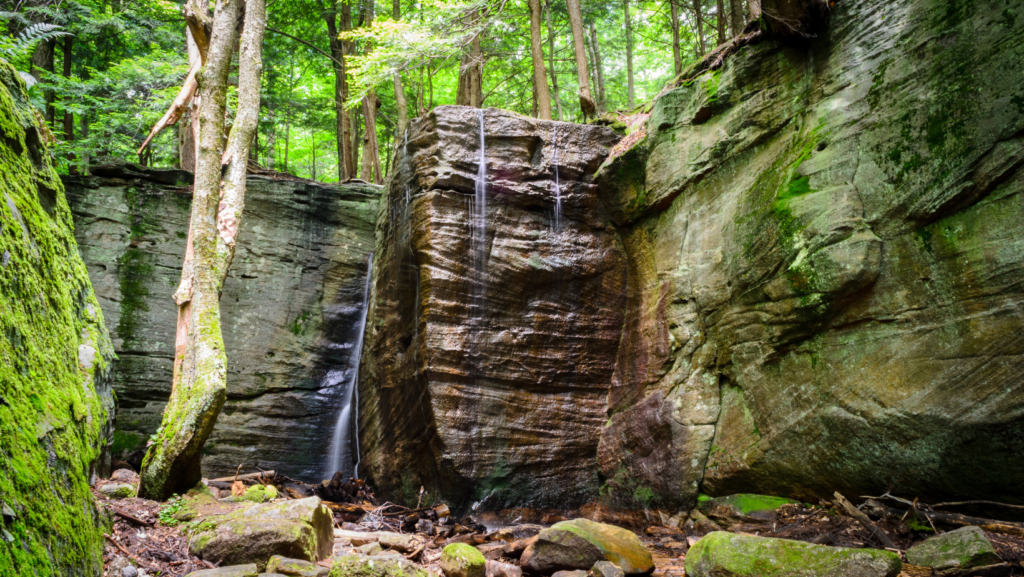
[587, 104]
[172, 463]
[736, 20]
[540, 76]
[630, 93]
[720, 21]
[470, 89]
[42, 60]
[551, 60]
[339, 49]
[698, 13]
[598, 68]
[69, 117]
[676, 51]
[371, 149]
[357, 139]
[400, 104]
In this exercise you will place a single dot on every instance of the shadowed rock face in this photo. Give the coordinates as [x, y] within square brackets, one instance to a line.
[291, 307]
[830, 283]
[489, 383]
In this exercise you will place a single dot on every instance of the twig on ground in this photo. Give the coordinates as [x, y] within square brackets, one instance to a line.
[866, 522]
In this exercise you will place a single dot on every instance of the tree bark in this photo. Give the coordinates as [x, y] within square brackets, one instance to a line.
[540, 76]
[677, 54]
[698, 13]
[172, 463]
[736, 20]
[551, 60]
[587, 104]
[720, 22]
[753, 10]
[339, 49]
[470, 90]
[42, 60]
[371, 150]
[598, 68]
[400, 103]
[630, 94]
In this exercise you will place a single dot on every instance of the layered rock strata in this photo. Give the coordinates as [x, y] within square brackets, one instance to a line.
[488, 356]
[291, 307]
[56, 405]
[829, 269]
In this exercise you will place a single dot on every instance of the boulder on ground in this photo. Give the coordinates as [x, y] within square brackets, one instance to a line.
[573, 573]
[398, 542]
[370, 549]
[606, 569]
[117, 490]
[743, 508]
[299, 529]
[232, 571]
[955, 552]
[462, 560]
[295, 567]
[579, 544]
[499, 569]
[723, 554]
[362, 566]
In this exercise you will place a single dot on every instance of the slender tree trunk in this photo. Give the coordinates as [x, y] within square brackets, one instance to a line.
[698, 13]
[598, 68]
[371, 149]
[400, 104]
[470, 89]
[720, 22]
[677, 54]
[630, 93]
[339, 49]
[172, 463]
[551, 60]
[287, 137]
[42, 60]
[314, 156]
[587, 104]
[357, 138]
[540, 76]
[753, 10]
[69, 117]
[736, 20]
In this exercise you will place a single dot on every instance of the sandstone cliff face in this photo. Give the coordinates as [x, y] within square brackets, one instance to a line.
[291, 307]
[486, 380]
[805, 276]
[831, 281]
[56, 406]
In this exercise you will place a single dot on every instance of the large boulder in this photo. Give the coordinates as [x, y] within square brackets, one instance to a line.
[55, 399]
[955, 553]
[462, 560]
[722, 554]
[291, 307]
[579, 544]
[298, 529]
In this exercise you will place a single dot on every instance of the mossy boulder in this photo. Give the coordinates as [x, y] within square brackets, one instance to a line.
[363, 566]
[259, 494]
[233, 571]
[742, 508]
[462, 560]
[722, 554]
[955, 552]
[117, 490]
[295, 567]
[55, 400]
[299, 529]
[579, 544]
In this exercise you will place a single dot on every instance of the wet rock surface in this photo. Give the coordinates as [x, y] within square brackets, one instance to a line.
[958, 552]
[487, 361]
[580, 544]
[290, 307]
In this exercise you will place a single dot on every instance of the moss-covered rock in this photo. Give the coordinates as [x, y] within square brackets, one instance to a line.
[579, 544]
[55, 402]
[743, 508]
[233, 571]
[955, 552]
[363, 566]
[462, 560]
[295, 567]
[722, 554]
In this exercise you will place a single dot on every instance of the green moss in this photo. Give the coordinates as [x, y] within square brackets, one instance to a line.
[54, 355]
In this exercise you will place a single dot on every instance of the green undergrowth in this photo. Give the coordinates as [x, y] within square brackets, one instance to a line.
[54, 357]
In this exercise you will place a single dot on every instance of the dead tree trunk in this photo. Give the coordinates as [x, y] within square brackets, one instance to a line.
[587, 104]
[172, 463]
[540, 76]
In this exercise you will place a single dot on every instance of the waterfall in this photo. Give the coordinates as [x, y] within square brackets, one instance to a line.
[558, 184]
[478, 218]
[340, 439]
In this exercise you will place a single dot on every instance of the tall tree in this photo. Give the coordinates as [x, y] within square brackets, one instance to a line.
[587, 104]
[551, 60]
[370, 170]
[698, 20]
[630, 91]
[42, 61]
[401, 106]
[720, 21]
[677, 55]
[540, 76]
[736, 20]
[338, 16]
[598, 68]
[172, 463]
[470, 91]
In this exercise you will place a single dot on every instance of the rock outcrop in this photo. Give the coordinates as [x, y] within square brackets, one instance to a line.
[829, 275]
[56, 405]
[492, 339]
[819, 247]
[291, 307]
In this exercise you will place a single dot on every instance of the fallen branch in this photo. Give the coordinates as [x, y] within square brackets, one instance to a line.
[177, 108]
[865, 521]
[990, 525]
[129, 554]
[234, 478]
[959, 503]
[131, 518]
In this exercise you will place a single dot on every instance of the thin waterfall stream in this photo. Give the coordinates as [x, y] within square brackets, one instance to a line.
[558, 184]
[478, 218]
[349, 410]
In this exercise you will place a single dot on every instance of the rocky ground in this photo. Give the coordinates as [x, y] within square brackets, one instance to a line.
[236, 527]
